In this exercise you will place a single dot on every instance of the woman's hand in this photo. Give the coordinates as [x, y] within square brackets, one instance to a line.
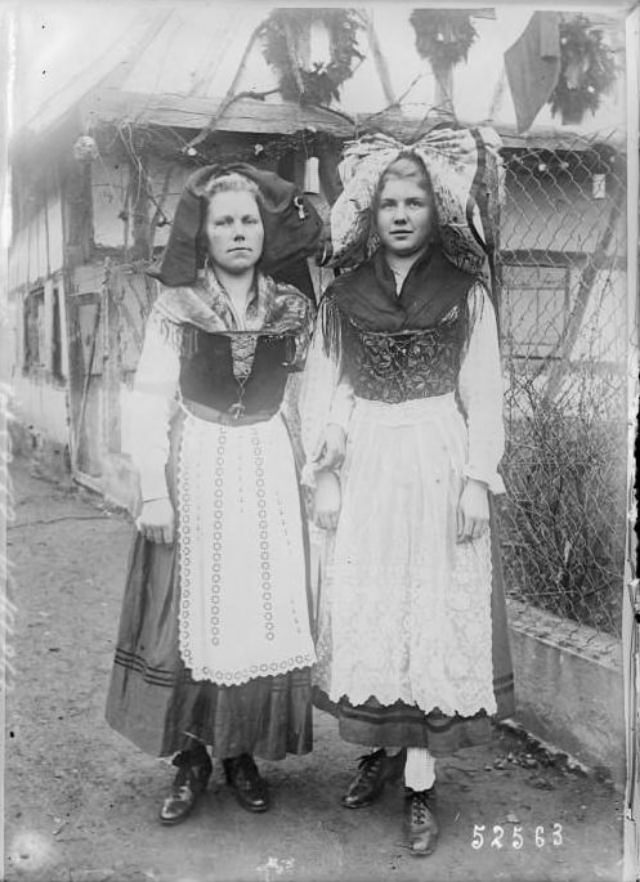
[156, 520]
[333, 449]
[473, 511]
[327, 500]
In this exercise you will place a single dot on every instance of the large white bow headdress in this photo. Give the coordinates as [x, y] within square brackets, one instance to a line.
[467, 177]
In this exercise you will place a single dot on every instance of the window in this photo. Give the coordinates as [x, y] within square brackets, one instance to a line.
[534, 310]
[34, 348]
[56, 336]
[43, 333]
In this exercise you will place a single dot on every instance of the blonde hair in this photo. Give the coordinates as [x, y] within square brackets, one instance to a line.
[232, 182]
[406, 167]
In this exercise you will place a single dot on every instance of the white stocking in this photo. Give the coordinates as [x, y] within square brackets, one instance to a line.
[420, 769]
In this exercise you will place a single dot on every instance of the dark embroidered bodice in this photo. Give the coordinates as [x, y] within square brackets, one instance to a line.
[398, 366]
[207, 374]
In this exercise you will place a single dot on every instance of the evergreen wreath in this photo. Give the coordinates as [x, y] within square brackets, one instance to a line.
[280, 34]
[583, 45]
[443, 37]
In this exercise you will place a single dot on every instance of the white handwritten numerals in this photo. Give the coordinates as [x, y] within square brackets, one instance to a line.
[478, 836]
[518, 839]
[499, 837]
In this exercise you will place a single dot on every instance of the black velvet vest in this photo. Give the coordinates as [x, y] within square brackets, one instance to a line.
[401, 365]
[207, 376]
[402, 346]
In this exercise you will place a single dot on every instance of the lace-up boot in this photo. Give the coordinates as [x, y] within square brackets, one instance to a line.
[194, 770]
[422, 822]
[374, 771]
[243, 777]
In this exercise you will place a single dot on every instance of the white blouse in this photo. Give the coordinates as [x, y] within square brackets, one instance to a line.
[327, 395]
[152, 404]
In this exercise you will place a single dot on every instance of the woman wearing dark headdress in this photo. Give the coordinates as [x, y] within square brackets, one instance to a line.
[214, 647]
[404, 367]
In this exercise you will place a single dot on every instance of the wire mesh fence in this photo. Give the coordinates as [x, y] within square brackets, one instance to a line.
[562, 287]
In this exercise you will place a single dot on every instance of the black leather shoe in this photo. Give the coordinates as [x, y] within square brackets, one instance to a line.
[194, 770]
[244, 779]
[423, 823]
[374, 771]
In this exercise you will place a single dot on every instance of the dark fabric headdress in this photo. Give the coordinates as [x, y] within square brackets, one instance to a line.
[292, 227]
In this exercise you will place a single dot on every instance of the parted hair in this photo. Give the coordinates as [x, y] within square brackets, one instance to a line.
[407, 167]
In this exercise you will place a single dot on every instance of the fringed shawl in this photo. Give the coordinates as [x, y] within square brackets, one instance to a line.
[276, 308]
[367, 296]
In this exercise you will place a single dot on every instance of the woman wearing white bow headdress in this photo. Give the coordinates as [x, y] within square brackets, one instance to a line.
[403, 434]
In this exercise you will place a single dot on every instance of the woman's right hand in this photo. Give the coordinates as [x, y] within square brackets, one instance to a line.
[156, 520]
[327, 500]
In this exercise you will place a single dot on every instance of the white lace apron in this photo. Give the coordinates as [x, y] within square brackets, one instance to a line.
[243, 603]
[405, 611]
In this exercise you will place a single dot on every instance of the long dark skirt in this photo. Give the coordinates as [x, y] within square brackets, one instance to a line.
[403, 725]
[152, 699]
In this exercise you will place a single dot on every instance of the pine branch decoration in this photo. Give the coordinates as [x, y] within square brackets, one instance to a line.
[443, 37]
[321, 83]
[587, 73]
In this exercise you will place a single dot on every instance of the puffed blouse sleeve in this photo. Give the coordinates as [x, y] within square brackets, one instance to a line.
[326, 395]
[481, 390]
[152, 404]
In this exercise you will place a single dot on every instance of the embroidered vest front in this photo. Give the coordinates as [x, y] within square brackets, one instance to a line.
[401, 365]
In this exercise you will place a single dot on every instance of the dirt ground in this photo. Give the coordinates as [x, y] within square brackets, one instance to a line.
[81, 803]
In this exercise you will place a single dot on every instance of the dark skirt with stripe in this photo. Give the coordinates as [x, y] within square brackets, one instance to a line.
[154, 702]
[403, 725]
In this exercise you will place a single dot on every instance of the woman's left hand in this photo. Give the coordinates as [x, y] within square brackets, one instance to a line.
[473, 511]
[327, 500]
[333, 449]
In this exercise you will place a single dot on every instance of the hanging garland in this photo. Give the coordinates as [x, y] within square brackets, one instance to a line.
[587, 70]
[281, 35]
[443, 37]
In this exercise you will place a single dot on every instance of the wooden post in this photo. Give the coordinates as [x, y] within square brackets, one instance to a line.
[78, 212]
[379, 60]
[444, 90]
[586, 282]
[139, 209]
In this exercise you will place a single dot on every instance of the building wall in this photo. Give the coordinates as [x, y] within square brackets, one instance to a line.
[37, 250]
[38, 399]
[39, 404]
[39, 386]
[109, 183]
[36, 259]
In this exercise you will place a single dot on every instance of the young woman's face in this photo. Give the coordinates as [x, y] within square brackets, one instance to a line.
[234, 231]
[404, 216]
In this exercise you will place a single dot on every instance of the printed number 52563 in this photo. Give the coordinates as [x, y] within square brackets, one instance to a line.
[499, 837]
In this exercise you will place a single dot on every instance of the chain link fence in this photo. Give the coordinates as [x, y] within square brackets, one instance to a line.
[562, 288]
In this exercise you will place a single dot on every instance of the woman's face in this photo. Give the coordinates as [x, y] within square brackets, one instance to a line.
[404, 216]
[234, 231]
